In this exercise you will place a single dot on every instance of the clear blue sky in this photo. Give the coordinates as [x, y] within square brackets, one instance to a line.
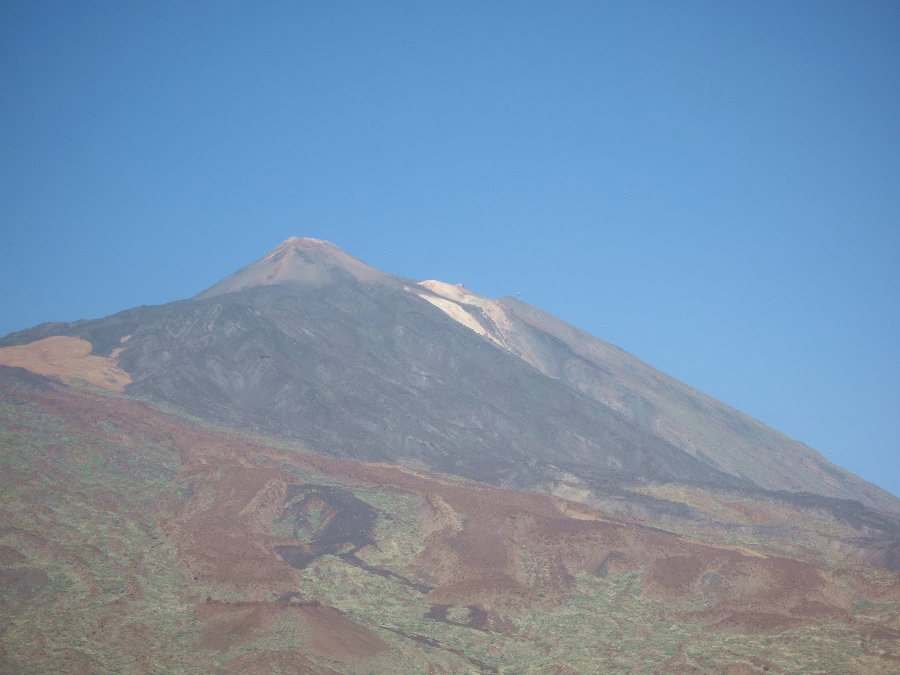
[712, 186]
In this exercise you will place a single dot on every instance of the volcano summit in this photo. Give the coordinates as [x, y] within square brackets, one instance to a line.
[316, 465]
[310, 344]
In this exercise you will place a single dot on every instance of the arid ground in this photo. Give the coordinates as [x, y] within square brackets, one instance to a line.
[134, 539]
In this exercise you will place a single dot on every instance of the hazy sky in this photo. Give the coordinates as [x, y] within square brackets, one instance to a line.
[712, 186]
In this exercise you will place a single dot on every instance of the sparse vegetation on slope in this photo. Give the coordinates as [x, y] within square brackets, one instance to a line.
[135, 540]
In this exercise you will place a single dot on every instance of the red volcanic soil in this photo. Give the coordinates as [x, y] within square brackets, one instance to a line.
[21, 583]
[477, 539]
[331, 633]
[285, 661]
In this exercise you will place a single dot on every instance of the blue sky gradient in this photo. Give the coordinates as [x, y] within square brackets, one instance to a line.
[714, 187]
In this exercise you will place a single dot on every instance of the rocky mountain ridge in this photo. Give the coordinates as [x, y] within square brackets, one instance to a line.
[314, 466]
[312, 344]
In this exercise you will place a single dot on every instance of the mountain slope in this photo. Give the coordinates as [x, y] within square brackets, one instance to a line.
[277, 476]
[136, 540]
[695, 423]
[373, 373]
[312, 344]
[298, 262]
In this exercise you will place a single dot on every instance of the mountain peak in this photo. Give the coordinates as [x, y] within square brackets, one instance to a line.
[302, 242]
[297, 261]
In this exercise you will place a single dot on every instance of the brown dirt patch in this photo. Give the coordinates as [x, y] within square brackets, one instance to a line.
[330, 633]
[67, 358]
[750, 622]
[230, 624]
[676, 574]
[224, 534]
[19, 584]
[284, 661]
[612, 562]
[338, 636]
[484, 546]
[10, 556]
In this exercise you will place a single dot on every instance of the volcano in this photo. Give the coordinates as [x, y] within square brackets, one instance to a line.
[384, 469]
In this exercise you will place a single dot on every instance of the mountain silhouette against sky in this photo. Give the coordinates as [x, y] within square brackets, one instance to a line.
[317, 466]
[311, 344]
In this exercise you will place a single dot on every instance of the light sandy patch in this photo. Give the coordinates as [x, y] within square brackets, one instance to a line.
[67, 358]
[460, 315]
[571, 488]
[491, 308]
[436, 515]
[455, 292]
[572, 493]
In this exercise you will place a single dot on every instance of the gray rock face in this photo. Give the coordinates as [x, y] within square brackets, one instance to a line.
[370, 371]
[313, 345]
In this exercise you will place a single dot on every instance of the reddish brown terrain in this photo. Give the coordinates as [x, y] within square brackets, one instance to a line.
[315, 466]
[484, 559]
[67, 358]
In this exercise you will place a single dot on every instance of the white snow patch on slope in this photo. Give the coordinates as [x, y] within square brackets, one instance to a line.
[458, 313]
[453, 299]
